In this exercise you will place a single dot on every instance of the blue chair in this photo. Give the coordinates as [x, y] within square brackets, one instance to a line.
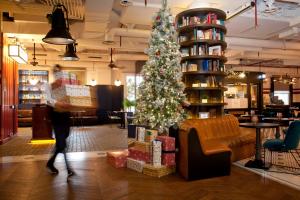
[288, 145]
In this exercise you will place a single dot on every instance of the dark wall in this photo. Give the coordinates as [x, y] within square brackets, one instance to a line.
[110, 98]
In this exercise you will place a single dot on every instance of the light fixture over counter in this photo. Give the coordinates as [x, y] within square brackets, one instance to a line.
[18, 53]
[70, 54]
[59, 33]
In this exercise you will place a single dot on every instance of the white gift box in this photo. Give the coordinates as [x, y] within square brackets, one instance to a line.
[72, 90]
[140, 134]
[136, 165]
[156, 152]
[61, 75]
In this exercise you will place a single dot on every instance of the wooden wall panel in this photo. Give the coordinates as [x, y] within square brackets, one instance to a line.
[8, 93]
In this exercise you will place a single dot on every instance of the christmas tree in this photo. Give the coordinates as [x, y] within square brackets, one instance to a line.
[160, 95]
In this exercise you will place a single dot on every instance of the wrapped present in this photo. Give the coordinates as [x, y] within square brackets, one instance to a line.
[71, 90]
[168, 159]
[156, 152]
[136, 165]
[78, 101]
[143, 146]
[117, 158]
[140, 132]
[62, 75]
[150, 135]
[59, 83]
[168, 143]
[139, 155]
[159, 171]
[72, 76]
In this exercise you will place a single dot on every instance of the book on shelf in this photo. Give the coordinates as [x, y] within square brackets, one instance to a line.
[205, 65]
[193, 50]
[182, 38]
[184, 52]
[202, 50]
[203, 115]
[184, 67]
[215, 50]
[192, 67]
[210, 18]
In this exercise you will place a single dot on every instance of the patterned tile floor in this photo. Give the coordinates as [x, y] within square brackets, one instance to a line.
[82, 139]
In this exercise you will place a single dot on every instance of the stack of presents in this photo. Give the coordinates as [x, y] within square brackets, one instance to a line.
[149, 154]
[66, 88]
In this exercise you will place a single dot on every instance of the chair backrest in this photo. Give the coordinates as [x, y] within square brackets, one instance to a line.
[292, 136]
[215, 128]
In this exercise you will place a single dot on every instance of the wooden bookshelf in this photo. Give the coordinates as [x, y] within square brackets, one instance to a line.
[201, 35]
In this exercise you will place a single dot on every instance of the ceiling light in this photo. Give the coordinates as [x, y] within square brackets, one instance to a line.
[261, 76]
[70, 54]
[59, 33]
[242, 75]
[93, 82]
[117, 83]
[17, 53]
[125, 3]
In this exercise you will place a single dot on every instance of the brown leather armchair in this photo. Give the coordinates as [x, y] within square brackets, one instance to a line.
[208, 146]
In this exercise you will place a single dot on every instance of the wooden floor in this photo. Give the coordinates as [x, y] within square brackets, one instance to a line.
[81, 139]
[96, 179]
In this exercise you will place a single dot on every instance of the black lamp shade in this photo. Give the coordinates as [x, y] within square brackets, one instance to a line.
[59, 33]
[70, 53]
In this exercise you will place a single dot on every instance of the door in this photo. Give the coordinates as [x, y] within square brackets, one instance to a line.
[8, 94]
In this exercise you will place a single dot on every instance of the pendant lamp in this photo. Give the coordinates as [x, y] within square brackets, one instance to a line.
[117, 83]
[59, 33]
[70, 54]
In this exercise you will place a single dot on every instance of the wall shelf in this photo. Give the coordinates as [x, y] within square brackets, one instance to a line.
[201, 34]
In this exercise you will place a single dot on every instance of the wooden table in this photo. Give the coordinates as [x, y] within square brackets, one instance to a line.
[258, 162]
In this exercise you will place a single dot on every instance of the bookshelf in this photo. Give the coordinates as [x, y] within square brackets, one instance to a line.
[201, 35]
[31, 94]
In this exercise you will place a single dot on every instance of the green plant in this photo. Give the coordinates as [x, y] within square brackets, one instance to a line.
[204, 96]
[128, 103]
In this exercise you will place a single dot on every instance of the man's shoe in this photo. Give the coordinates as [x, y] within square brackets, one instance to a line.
[51, 168]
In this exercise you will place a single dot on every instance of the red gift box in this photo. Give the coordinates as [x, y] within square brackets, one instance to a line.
[139, 155]
[74, 82]
[168, 143]
[168, 159]
[117, 158]
[60, 82]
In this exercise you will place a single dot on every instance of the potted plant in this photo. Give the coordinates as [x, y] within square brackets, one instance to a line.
[204, 99]
[128, 104]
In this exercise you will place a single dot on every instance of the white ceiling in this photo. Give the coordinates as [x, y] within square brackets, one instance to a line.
[275, 32]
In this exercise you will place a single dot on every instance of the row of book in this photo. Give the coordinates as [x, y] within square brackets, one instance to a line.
[210, 34]
[203, 65]
[210, 18]
[210, 81]
[202, 50]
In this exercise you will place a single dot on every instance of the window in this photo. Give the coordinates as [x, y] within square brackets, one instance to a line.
[282, 96]
[131, 86]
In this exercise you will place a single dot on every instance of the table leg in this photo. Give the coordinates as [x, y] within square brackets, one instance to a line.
[257, 162]
[277, 134]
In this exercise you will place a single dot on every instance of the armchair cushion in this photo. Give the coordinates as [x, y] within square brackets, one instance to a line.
[274, 144]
